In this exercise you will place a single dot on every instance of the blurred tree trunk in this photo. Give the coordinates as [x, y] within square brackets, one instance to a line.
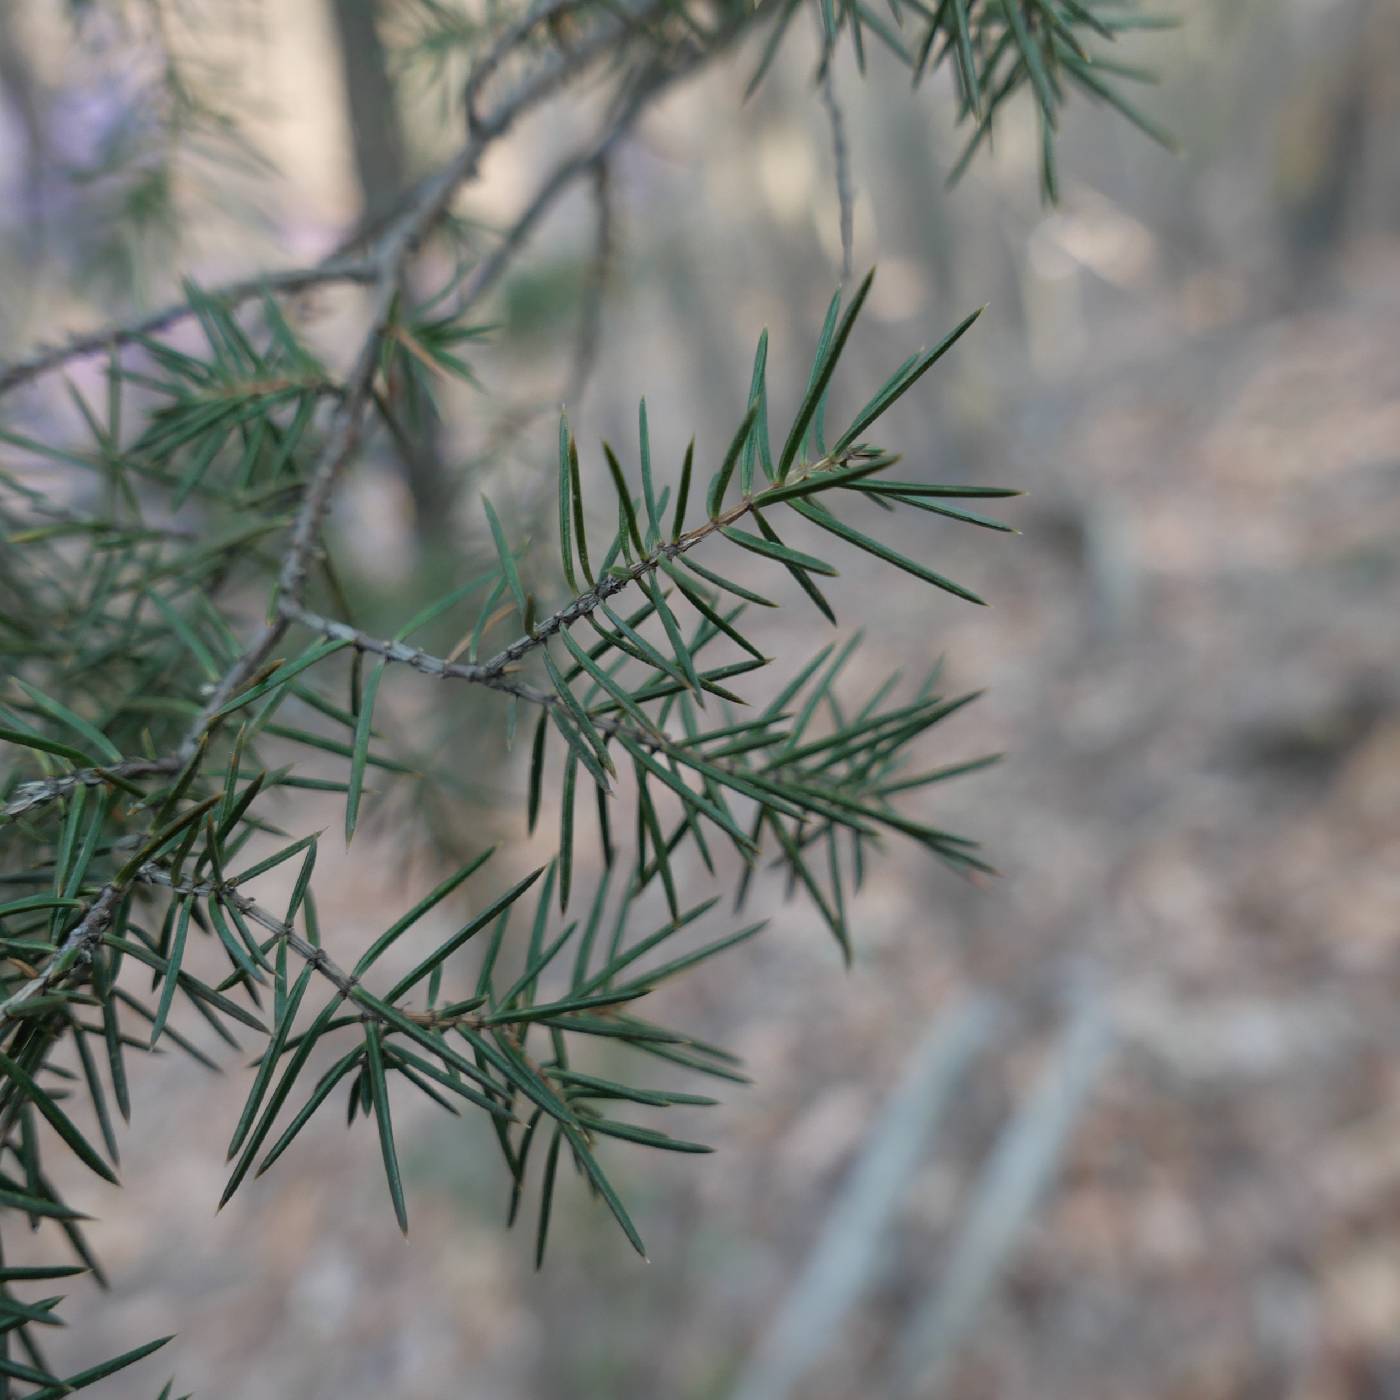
[21, 91]
[375, 130]
[381, 170]
[1323, 168]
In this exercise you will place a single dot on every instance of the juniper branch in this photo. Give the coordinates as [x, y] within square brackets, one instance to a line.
[592, 599]
[402, 240]
[387, 264]
[227, 892]
[230, 294]
[81, 939]
[35, 794]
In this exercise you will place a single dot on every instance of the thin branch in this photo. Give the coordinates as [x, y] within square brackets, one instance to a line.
[599, 270]
[495, 672]
[230, 294]
[77, 946]
[227, 893]
[400, 243]
[35, 794]
[584, 161]
[588, 602]
[511, 39]
[425, 663]
[841, 155]
[588, 159]
[344, 982]
[515, 419]
[443, 669]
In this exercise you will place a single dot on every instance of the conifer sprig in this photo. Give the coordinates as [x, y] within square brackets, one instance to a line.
[628, 684]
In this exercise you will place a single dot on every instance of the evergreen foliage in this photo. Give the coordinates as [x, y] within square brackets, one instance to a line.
[151, 728]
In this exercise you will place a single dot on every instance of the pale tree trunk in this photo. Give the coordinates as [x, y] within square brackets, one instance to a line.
[380, 167]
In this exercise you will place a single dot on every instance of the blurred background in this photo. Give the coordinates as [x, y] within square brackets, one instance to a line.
[1161, 1049]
